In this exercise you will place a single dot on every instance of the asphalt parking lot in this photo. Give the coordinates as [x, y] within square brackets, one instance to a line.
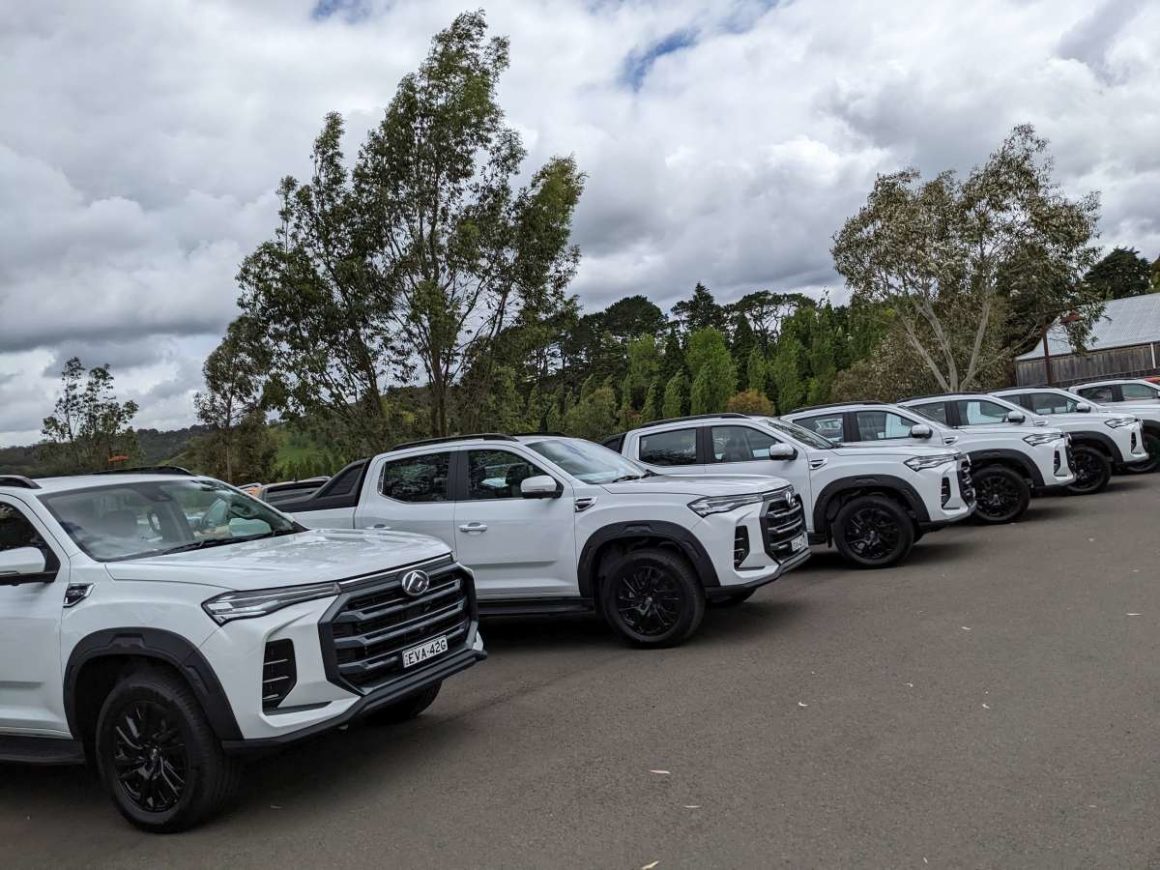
[992, 703]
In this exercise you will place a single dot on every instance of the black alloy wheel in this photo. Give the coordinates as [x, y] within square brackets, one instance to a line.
[873, 531]
[652, 597]
[1093, 470]
[1001, 495]
[1152, 445]
[150, 757]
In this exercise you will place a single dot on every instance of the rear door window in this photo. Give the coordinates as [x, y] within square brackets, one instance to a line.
[677, 447]
[936, 411]
[830, 426]
[882, 426]
[416, 478]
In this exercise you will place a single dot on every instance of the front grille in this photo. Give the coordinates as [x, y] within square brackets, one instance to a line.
[740, 546]
[966, 485]
[279, 673]
[781, 523]
[367, 630]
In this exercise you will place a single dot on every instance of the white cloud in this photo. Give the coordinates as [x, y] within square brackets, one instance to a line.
[725, 142]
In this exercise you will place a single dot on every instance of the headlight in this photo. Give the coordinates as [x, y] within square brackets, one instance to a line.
[1117, 422]
[720, 504]
[260, 602]
[918, 463]
[1041, 438]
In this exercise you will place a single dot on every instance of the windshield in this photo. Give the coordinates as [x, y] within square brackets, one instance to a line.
[799, 433]
[131, 520]
[589, 462]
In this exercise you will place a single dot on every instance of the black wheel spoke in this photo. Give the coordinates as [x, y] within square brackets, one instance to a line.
[149, 756]
[648, 601]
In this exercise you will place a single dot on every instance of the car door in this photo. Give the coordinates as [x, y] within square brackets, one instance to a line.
[30, 617]
[745, 450]
[670, 451]
[1136, 394]
[518, 547]
[410, 494]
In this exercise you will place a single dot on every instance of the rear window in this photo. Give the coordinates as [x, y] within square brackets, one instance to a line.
[678, 447]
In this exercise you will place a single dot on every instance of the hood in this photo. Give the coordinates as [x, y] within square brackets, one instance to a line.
[315, 556]
[697, 485]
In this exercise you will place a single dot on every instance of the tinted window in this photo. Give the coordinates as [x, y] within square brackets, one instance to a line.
[1050, 403]
[670, 448]
[16, 531]
[740, 444]
[829, 426]
[346, 481]
[416, 478]
[936, 411]
[980, 412]
[882, 426]
[1100, 394]
[497, 474]
[1137, 391]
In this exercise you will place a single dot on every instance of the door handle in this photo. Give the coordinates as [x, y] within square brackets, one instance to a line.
[473, 528]
[380, 526]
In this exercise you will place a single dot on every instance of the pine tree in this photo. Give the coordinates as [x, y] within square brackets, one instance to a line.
[674, 402]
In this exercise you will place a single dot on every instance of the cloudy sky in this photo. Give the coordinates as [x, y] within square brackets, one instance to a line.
[725, 141]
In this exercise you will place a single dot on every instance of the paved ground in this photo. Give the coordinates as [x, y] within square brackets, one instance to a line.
[993, 703]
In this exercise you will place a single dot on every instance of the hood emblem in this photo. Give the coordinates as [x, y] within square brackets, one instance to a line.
[415, 583]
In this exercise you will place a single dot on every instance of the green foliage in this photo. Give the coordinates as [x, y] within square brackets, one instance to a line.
[755, 371]
[644, 361]
[234, 373]
[786, 374]
[750, 402]
[674, 403]
[1120, 274]
[700, 311]
[89, 428]
[652, 404]
[945, 254]
[714, 372]
[594, 417]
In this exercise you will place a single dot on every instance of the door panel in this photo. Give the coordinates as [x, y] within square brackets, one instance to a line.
[518, 547]
[412, 494]
[30, 616]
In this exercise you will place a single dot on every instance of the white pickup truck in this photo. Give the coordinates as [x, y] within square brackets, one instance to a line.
[163, 625]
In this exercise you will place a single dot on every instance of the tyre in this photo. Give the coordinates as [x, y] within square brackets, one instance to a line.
[1152, 445]
[873, 531]
[407, 708]
[1093, 470]
[733, 598]
[1001, 495]
[157, 755]
[652, 598]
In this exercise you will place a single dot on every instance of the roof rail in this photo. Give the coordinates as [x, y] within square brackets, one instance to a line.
[835, 405]
[552, 434]
[943, 395]
[727, 415]
[478, 436]
[150, 469]
[19, 481]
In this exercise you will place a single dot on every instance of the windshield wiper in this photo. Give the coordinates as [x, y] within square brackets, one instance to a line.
[624, 477]
[203, 544]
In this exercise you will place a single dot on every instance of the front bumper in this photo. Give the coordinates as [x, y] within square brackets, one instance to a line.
[755, 545]
[1130, 444]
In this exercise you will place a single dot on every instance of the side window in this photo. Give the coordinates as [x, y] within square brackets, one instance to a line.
[497, 474]
[345, 483]
[1105, 394]
[740, 444]
[678, 447]
[936, 411]
[1050, 403]
[1136, 391]
[980, 412]
[882, 426]
[416, 478]
[827, 425]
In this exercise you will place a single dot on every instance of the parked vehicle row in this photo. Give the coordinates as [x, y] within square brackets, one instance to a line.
[163, 625]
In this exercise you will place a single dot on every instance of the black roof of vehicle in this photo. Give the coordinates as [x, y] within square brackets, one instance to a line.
[146, 469]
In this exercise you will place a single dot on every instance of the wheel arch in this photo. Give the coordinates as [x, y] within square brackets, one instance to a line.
[1005, 458]
[837, 493]
[1098, 440]
[99, 658]
[627, 536]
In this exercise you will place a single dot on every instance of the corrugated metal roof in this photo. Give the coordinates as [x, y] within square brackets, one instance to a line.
[1125, 322]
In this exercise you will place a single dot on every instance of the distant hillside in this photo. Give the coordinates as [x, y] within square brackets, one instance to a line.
[157, 448]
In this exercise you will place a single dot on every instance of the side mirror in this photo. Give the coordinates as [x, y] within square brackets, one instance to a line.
[540, 486]
[1083, 408]
[22, 565]
[1016, 417]
[782, 451]
[921, 431]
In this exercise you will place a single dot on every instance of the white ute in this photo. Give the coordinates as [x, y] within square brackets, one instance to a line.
[872, 504]
[1006, 465]
[556, 525]
[1135, 396]
[161, 625]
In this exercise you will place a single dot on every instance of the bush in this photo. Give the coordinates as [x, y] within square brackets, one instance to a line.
[749, 402]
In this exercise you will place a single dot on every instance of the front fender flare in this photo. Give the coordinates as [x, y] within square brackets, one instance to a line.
[685, 541]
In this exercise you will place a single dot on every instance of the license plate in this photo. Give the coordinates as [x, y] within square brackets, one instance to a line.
[424, 651]
[798, 543]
